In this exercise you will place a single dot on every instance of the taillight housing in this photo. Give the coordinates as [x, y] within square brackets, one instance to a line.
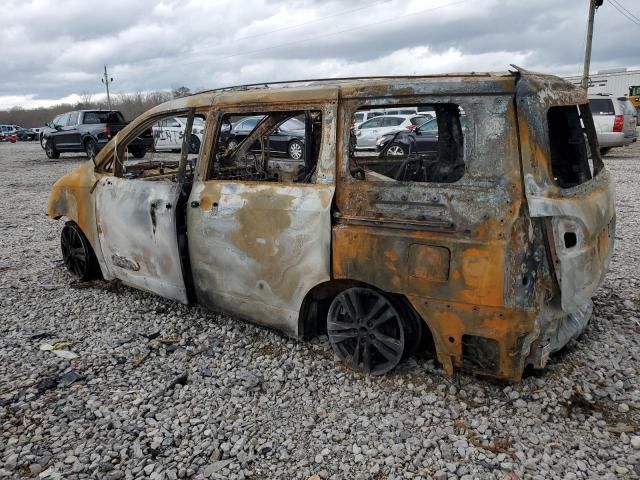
[107, 132]
[410, 127]
[618, 123]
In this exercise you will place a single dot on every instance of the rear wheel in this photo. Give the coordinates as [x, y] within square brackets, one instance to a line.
[396, 150]
[296, 150]
[366, 330]
[77, 254]
[138, 152]
[50, 149]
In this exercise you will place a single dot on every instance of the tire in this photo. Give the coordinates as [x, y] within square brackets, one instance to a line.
[42, 140]
[295, 150]
[194, 144]
[77, 254]
[91, 148]
[396, 150]
[50, 149]
[138, 152]
[604, 151]
[367, 330]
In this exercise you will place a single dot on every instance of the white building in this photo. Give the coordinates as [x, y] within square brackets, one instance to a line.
[614, 81]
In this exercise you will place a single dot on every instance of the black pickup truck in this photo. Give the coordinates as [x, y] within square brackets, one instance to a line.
[88, 131]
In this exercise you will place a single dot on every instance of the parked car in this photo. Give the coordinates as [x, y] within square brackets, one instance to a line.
[615, 120]
[25, 134]
[368, 133]
[88, 131]
[490, 251]
[8, 133]
[422, 139]
[362, 116]
[287, 139]
[169, 132]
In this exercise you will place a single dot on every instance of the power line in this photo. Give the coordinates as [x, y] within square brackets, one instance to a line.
[625, 15]
[618, 3]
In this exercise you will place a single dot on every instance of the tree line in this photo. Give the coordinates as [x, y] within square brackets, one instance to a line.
[130, 104]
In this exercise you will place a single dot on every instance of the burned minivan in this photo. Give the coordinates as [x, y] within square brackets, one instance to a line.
[483, 228]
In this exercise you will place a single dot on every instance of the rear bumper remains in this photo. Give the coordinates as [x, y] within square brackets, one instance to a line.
[555, 330]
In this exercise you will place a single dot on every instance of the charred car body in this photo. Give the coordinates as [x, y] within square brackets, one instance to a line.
[492, 246]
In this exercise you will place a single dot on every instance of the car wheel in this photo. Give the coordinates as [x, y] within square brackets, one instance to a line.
[604, 151]
[396, 150]
[232, 144]
[50, 149]
[42, 141]
[91, 148]
[138, 152]
[296, 150]
[366, 330]
[194, 144]
[77, 254]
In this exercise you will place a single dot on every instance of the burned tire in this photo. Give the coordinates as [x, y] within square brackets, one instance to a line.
[77, 254]
[366, 330]
[50, 149]
[91, 148]
[194, 144]
[295, 150]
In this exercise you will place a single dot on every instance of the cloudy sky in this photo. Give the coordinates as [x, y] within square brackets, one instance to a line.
[54, 50]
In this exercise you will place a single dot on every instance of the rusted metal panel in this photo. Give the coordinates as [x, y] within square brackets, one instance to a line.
[136, 222]
[257, 249]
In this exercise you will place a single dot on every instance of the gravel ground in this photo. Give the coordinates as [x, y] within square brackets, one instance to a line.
[164, 391]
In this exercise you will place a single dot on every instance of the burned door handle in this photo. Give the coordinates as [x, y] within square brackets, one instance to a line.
[195, 204]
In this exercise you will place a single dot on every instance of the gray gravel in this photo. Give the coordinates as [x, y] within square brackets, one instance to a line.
[163, 391]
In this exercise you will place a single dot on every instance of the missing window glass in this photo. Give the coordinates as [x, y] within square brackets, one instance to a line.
[410, 144]
[273, 146]
[569, 154]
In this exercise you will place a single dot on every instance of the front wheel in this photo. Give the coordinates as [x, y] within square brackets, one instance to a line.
[366, 330]
[194, 144]
[50, 149]
[77, 254]
[296, 150]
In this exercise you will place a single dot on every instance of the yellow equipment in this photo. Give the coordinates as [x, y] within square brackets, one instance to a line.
[634, 96]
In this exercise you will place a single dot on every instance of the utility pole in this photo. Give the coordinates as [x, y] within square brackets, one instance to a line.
[593, 6]
[107, 80]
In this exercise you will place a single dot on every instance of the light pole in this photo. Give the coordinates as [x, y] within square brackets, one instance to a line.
[107, 80]
[593, 6]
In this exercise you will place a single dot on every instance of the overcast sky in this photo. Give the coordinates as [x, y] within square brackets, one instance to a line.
[54, 50]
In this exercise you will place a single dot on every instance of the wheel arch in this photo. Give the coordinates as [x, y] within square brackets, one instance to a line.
[315, 306]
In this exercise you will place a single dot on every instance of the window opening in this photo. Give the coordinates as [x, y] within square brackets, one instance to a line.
[409, 148]
[277, 146]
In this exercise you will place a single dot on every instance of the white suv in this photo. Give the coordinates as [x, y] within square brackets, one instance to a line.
[368, 132]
